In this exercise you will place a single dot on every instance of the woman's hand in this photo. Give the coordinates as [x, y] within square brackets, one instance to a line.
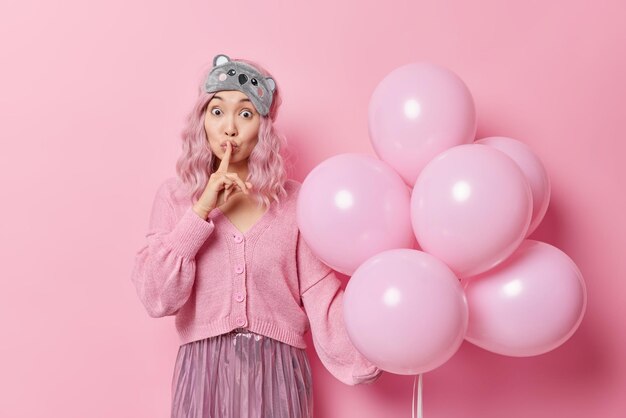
[220, 180]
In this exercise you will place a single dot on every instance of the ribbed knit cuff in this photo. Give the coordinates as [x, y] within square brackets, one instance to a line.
[364, 371]
[190, 233]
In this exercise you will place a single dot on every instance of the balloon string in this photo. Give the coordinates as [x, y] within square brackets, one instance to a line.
[419, 397]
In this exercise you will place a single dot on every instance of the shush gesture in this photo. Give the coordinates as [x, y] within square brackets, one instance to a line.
[220, 180]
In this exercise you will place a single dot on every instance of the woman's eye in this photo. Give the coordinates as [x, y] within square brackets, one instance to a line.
[248, 113]
[216, 110]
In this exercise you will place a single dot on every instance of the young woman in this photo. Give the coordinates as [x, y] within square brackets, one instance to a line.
[224, 255]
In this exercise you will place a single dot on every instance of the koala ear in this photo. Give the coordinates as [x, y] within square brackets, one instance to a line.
[270, 82]
[220, 59]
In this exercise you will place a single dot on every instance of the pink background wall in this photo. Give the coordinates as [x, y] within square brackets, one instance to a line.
[92, 101]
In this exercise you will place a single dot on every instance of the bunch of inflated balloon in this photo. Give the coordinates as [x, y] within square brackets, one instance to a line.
[467, 204]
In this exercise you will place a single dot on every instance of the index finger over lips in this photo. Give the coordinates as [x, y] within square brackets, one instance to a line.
[226, 158]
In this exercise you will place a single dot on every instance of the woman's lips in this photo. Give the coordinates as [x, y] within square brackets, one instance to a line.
[234, 147]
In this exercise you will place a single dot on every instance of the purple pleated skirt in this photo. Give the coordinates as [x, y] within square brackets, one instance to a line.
[241, 374]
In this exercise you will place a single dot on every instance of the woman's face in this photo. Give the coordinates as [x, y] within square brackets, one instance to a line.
[231, 116]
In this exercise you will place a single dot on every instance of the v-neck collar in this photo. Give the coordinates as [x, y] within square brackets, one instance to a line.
[250, 232]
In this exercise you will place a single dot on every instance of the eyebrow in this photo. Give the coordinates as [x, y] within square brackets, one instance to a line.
[242, 100]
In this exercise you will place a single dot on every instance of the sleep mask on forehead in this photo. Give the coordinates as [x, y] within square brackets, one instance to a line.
[235, 75]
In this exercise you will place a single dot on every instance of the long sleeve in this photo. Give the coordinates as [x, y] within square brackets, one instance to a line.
[322, 296]
[164, 268]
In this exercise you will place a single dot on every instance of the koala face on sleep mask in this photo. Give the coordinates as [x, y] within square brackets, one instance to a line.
[233, 75]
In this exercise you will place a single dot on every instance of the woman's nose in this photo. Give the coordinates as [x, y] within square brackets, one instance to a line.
[231, 129]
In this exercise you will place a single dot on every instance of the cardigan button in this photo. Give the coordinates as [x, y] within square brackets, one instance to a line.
[237, 238]
[239, 269]
[239, 297]
[241, 322]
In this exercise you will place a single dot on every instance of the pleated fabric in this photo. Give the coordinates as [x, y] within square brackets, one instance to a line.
[241, 374]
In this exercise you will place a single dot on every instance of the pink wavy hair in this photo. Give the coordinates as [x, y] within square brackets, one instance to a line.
[266, 166]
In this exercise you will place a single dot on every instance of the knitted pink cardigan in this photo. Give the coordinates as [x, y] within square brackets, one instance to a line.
[215, 278]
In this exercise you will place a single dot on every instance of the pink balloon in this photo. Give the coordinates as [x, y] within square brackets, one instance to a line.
[529, 305]
[532, 168]
[471, 207]
[417, 111]
[352, 206]
[405, 311]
